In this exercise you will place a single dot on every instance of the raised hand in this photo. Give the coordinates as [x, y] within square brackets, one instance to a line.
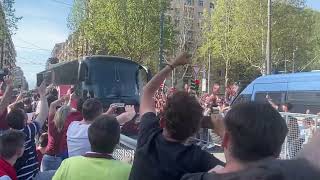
[42, 89]
[180, 60]
[112, 108]
[8, 80]
[128, 115]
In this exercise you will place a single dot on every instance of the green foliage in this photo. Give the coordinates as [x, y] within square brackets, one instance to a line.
[8, 19]
[128, 28]
[236, 35]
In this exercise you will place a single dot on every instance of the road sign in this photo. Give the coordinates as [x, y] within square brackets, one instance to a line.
[196, 70]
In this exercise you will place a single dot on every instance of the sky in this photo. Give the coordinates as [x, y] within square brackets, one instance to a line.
[44, 24]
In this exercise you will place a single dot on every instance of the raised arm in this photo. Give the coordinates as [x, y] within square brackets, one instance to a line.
[18, 100]
[147, 102]
[126, 116]
[54, 105]
[5, 101]
[43, 105]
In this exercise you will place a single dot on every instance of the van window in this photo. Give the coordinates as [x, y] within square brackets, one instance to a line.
[277, 98]
[242, 98]
[304, 101]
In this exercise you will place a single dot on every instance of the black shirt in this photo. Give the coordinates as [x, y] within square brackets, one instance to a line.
[269, 170]
[156, 158]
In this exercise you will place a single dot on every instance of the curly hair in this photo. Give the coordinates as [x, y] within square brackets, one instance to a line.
[182, 115]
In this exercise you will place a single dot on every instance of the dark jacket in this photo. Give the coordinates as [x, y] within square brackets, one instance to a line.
[269, 170]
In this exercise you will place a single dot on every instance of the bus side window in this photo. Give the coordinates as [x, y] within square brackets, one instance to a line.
[242, 98]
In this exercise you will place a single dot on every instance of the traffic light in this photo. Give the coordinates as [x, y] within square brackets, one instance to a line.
[195, 84]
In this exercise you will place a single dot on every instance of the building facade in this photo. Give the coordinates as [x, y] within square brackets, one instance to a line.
[19, 78]
[187, 17]
[7, 50]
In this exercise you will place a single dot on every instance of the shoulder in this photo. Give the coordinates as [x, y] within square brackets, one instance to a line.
[73, 125]
[72, 160]
[122, 169]
[32, 128]
[149, 115]
[5, 177]
[149, 120]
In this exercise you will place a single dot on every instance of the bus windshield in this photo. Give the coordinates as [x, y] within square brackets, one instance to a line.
[114, 79]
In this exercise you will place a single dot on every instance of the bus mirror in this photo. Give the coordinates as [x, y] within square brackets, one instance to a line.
[149, 75]
[82, 72]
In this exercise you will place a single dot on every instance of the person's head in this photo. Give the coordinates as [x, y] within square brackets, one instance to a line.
[35, 97]
[51, 99]
[182, 115]
[12, 144]
[18, 105]
[91, 109]
[54, 92]
[27, 101]
[80, 102]
[17, 118]
[61, 116]
[43, 140]
[287, 107]
[253, 131]
[104, 134]
[215, 88]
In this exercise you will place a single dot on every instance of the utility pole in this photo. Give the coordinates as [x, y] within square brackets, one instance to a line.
[269, 48]
[209, 72]
[161, 48]
[293, 59]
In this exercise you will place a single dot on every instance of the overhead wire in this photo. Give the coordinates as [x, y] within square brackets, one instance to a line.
[61, 2]
[40, 49]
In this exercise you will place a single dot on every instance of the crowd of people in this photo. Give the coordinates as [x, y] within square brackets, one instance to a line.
[48, 136]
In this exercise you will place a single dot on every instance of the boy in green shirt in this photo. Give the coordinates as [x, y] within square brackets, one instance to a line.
[104, 135]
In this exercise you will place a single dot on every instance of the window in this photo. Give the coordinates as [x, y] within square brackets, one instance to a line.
[189, 2]
[189, 35]
[303, 101]
[211, 5]
[200, 3]
[177, 11]
[176, 22]
[242, 98]
[277, 98]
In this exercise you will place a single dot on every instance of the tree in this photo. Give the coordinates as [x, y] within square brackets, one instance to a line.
[236, 36]
[123, 28]
[219, 31]
[8, 19]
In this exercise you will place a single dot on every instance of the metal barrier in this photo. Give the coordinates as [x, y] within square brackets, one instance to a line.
[301, 128]
[125, 150]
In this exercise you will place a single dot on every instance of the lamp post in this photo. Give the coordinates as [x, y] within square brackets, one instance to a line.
[161, 46]
[269, 48]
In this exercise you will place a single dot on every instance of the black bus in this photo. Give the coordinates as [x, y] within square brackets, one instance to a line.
[108, 78]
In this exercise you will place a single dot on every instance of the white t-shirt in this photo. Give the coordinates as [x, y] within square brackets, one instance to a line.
[5, 178]
[77, 139]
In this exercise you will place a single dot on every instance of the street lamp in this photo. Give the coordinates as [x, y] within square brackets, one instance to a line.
[269, 48]
[161, 48]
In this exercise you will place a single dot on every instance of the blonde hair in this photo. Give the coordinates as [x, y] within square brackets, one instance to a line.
[61, 116]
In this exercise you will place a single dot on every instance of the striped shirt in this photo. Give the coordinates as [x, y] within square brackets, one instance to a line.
[27, 165]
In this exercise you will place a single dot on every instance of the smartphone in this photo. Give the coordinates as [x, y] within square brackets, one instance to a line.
[118, 105]
[40, 79]
[119, 108]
